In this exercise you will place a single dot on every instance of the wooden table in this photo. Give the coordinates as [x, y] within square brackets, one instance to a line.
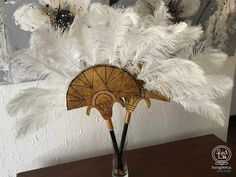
[185, 158]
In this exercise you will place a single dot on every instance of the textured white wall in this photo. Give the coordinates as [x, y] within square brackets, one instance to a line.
[72, 135]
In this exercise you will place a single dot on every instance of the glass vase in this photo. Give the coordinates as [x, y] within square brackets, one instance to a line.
[119, 167]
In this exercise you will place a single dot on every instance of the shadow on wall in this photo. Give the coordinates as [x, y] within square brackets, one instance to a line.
[233, 104]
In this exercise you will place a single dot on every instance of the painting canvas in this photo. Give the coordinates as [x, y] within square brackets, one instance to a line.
[5, 76]
[12, 39]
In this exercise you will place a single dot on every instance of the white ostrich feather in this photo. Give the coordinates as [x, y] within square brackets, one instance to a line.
[216, 57]
[31, 62]
[111, 26]
[127, 50]
[155, 43]
[159, 42]
[173, 77]
[56, 50]
[100, 34]
[35, 99]
[172, 88]
[211, 60]
[208, 58]
[174, 69]
[86, 42]
[204, 108]
[174, 37]
[29, 17]
[217, 86]
[185, 33]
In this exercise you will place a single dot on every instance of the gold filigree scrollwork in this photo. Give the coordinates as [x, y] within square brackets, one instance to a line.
[131, 103]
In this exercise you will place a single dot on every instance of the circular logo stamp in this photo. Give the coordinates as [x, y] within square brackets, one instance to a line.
[221, 154]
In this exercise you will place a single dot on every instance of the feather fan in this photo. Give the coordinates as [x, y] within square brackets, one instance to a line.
[168, 57]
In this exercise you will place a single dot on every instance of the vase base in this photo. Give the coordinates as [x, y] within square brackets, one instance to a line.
[120, 173]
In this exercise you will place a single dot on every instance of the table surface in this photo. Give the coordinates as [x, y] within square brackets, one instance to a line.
[185, 158]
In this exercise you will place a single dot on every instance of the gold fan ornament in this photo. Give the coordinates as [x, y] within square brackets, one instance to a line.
[100, 87]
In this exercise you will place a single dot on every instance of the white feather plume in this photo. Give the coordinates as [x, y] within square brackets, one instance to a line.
[207, 57]
[204, 108]
[28, 60]
[87, 37]
[56, 50]
[216, 86]
[174, 69]
[111, 26]
[172, 77]
[158, 42]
